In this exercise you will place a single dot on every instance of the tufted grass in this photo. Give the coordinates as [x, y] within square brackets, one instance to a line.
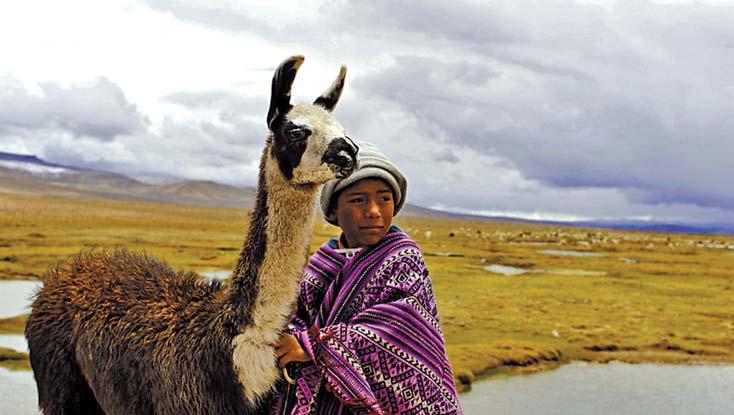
[650, 297]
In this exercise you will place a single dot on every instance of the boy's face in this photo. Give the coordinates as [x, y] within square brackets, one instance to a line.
[365, 211]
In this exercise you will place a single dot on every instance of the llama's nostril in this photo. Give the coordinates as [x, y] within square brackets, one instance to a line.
[348, 159]
[345, 154]
[342, 155]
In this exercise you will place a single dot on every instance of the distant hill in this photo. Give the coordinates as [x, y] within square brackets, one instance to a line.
[655, 226]
[29, 159]
[213, 193]
[32, 164]
[30, 175]
[630, 225]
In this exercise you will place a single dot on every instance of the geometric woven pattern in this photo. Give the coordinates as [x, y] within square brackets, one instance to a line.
[370, 325]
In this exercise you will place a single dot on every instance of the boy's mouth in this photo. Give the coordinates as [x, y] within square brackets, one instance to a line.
[372, 229]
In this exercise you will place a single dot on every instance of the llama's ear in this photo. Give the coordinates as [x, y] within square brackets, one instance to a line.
[280, 93]
[331, 96]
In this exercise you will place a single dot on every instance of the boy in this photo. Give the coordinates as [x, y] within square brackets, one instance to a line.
[366, 332]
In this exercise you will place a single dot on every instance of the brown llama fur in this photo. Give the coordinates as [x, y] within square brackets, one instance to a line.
[116, 332]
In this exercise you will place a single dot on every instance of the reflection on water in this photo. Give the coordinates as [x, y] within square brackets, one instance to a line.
[574, 389]
[216, 275]
[612, 389]
[508, 270]
[18, 395]
[505, 269]
[14, 341]
[16, 297]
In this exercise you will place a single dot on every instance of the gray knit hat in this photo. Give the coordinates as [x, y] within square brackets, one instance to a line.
[371, 163]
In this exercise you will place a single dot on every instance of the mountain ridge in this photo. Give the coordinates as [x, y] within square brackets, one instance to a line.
[30, 158]
[70, 181]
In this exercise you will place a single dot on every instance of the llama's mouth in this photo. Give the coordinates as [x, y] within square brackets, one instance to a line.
[311, 179]
[342, 172]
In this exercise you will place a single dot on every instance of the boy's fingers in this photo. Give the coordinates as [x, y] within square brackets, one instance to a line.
[284, 360]
[283, 341]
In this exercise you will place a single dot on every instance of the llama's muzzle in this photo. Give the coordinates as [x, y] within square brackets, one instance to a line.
[341, 156]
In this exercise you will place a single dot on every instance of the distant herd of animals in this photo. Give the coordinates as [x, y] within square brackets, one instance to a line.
[119, 333]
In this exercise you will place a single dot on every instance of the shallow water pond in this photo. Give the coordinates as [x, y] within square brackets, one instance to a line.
[18, 394]
[570, 253]
[611, 389]
[574, 389]
[15, 297]
[216, 275]
[14, 341]
[505, 269]
[508, 270]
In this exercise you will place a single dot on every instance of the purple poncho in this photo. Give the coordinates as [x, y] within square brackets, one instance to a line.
[371, 326]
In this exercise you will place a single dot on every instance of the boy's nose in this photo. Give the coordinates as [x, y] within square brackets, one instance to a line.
[373, 211]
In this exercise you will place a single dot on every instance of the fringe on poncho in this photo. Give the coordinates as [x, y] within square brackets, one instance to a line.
[370, 326]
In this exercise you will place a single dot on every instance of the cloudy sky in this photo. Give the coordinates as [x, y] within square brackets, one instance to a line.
[544, 109]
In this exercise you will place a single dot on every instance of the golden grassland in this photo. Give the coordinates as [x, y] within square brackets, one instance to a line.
[644, 298]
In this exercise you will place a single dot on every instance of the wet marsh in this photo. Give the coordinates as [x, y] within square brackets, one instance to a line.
[638, 297]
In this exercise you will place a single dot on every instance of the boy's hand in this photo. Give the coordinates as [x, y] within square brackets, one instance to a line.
[287, 349]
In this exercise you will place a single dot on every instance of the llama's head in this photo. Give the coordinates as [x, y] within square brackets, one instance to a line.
[309, 143]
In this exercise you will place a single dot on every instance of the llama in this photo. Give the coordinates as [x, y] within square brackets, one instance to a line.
[121, 333]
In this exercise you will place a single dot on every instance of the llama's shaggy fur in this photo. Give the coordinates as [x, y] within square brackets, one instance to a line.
[119, 333]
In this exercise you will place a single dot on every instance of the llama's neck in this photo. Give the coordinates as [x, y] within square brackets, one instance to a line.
[265, 282]
[270, 266]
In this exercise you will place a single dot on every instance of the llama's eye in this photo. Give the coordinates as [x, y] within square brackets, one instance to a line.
[297, 134]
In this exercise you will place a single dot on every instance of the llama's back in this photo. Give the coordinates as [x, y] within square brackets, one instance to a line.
[119, 288]
[119, 319]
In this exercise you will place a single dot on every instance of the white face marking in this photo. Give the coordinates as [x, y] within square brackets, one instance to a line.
[324, 129]
[301, 122]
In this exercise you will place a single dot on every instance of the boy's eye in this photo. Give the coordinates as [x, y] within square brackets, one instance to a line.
[357, 200]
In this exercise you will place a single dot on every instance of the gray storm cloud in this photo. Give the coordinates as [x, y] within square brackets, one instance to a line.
[637, 100]
[648, 112]
[518, 105]
[97, 109]
[93, 125]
